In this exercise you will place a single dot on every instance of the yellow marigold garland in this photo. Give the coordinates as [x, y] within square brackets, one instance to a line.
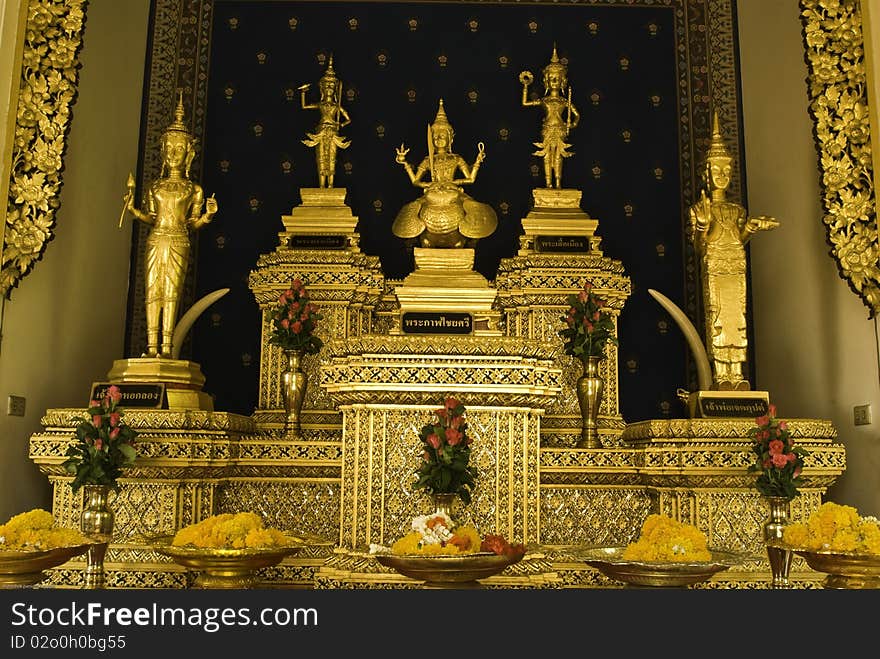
[412, 543]
[837, 528]
[230, 531]
[35, 530]
[664, 539]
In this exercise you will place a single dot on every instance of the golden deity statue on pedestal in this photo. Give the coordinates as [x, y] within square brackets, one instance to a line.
[560, 116]
[720, 230]
[333, 116]
[444, 216]
[173, 207]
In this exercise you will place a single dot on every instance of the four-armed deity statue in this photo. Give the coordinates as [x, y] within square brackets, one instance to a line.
[720, 230]
[444, 216]
[326, 139]
[174, 206]
[560, 116]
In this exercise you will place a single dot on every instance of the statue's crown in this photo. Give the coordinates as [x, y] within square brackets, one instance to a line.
[177, 126]
[717, 148]
[329, 74]
[440, 121]
[555, 64]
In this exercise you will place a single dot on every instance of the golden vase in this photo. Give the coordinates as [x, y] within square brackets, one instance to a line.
[96, 522]
[293, 391]
[780, 558]
[589, 393]
[443, 503]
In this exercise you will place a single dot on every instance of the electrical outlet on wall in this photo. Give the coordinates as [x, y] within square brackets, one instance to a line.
[15, 405]
[862, 415]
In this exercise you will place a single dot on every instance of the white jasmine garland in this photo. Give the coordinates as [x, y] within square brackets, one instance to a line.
[440, 533]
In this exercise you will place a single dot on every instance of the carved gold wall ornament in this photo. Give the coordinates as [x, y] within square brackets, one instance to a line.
[838, 92]
[47, 91]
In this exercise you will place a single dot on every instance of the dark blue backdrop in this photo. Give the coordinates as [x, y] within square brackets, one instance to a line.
[396, 60]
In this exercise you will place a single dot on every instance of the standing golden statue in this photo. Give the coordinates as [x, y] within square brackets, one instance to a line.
[444, 216]
[560, 116]
[720, 230]
[173, 207]
[333, 116]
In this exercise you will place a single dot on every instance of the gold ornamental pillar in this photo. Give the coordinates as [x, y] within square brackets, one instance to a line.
[319, 246]
[559, 252]
[388, 387]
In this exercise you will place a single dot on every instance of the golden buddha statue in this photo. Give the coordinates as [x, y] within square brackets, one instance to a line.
[173, 207]
[444, 216]
[720, 230]
[333, 116]
[560, 116]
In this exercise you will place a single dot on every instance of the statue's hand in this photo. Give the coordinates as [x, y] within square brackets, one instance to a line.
[761, 223]
[526, 78]
[481, 153]
[210, 205]
[401, 155]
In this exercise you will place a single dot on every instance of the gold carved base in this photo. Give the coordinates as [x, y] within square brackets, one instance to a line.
[322, 213]
[557, 213]
[183, 380]
[444, 281]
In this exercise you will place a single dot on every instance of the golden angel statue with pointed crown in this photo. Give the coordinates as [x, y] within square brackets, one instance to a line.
[444, 216]
[332, 117]
[174, 206]
[560, 116]
[719, 230]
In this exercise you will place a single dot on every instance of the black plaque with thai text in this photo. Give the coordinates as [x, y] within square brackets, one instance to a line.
[436, 322]
[134, 394]
[743, 407]
[317, 242]
[562, 244]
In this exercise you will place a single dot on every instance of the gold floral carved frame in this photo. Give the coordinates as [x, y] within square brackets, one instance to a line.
[837, 85]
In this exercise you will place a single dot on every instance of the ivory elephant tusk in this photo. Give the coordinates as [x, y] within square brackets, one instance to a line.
[187, 320]
[704, 371]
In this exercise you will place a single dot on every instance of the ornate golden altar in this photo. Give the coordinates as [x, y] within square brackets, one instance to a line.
[370, 390]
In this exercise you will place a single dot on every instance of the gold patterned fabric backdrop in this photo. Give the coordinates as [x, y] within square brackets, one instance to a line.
[639, 76]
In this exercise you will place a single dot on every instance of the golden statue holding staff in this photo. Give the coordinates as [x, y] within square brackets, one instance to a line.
[444, 216]
[333, 116]
[560, 116]
[719, 230]
[173, 207]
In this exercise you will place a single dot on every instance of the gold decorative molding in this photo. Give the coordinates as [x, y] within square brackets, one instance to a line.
[47, 92]
[838, 93]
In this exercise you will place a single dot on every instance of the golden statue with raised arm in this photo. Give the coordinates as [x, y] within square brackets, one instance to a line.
[720, 230]
[444, 216]
[560, 116]
[333, 116]
[173, 208]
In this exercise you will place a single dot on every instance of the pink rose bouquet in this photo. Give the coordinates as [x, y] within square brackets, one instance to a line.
[777, 458]
[294, 319]
[588, 329]
[104, 444]
[445, 467]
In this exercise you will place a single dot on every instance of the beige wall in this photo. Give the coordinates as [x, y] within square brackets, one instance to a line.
[816, 349]
[64, 324]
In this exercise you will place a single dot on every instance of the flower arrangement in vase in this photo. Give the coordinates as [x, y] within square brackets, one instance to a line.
[446, 467]
[104, 445]
[588, 328]
[778, 460]
[294, 320]
[780, 464]
[588, 331]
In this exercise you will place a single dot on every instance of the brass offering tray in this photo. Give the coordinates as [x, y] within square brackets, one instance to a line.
[844, 570]
[19, 569]
[219, 567]
[449, 571]
[610, 562]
